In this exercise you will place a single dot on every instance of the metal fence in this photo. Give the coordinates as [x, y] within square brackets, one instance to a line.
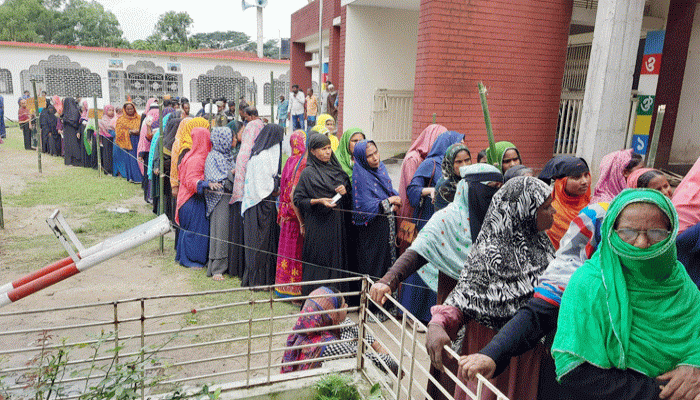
[392, 116]
[162, 344]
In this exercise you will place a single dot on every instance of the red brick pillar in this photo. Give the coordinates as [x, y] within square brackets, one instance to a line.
[516, 47]
[341, 68]
[299, 73]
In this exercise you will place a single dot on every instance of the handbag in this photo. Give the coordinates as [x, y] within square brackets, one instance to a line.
[407, 229]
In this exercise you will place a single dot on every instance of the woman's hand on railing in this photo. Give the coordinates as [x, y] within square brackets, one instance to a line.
[378, 292]
[436, 339]
[474, 364]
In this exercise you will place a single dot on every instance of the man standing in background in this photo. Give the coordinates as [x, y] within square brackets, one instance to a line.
[311, 109]
[283, 112]
[297, 100]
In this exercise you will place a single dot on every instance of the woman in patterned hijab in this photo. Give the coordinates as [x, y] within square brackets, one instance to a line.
[499, 276]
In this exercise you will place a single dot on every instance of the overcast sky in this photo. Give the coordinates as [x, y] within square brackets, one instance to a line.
[137, 17]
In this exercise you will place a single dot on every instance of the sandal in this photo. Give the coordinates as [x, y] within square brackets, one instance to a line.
[218, 277]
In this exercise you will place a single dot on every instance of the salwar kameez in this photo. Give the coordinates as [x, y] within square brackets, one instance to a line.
[193, 240]
[219, 234]
[133, 172]
[261, 236]
[236, 249]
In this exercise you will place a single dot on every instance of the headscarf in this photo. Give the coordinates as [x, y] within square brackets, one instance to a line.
[639, 306]
[612, 179]
[84, 112]
[192, 167]
[322, 119]
[58, 105]
[509, 254]
[370, 186]
[324, 131]
[219, 163]
[156, 144]
[414, 157]
[433, 162]
[567, 208]
[144, 146]
[175, 151]
[106, 122]
[125, 123]
[343, 153]
[496, 157]
[248, 138]
[289, 177]
[170, 129]
[516, 170]
[448, 187]
[480, 193]
[324, 320]
[270, 135]
[633, 179]
[686, 198]
[235, 126]
[263, 166]
[47, 119]
[320, 179]
[71, 113]
[185, 144]
[445, 240]
[563, 166]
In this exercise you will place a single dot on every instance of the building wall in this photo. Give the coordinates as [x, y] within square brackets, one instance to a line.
[377, 56]
[516, 47]
[686, 138]
[17, 59]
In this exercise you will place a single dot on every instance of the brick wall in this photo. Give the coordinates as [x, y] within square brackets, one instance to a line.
[341, 68]
[516, 47]
[299, 73]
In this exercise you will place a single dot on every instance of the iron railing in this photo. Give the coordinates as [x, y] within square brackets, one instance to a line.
[234, 342]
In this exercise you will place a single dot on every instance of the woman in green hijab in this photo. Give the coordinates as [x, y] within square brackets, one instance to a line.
[631, 313]
[505, 156]
[345, 148]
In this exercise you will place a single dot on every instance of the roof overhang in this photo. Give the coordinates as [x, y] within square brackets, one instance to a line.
[400, 4]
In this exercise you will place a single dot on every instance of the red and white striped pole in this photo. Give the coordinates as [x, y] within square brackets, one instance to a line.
[46, 276]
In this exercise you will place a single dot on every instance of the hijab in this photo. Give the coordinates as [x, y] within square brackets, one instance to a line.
[320, 178]
[509, 254]
[448, 183]
[446, 239]
[686, 198]
[270, 135]
[324, 131]
[71, 113]
[480, 193]
[170, 129]
[192, 167]
[320, 337]
[343, 153]
[567, 206]
[248, 139]
[58, 105]
[289, 178]
[563, 166]
[516, 170]
[106, 122]
[84, 110]
[612, 179]
[125, 123]
[219, 163]
[495, 157]
[433, 162]
[414, 157]
[633, 179]
[370, 186]
[638, 305]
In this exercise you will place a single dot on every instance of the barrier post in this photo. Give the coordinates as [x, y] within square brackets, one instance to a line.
[161, 174]
[36, 122]
[487, 120]
[97, 138]
[272, 97]
[2, 219]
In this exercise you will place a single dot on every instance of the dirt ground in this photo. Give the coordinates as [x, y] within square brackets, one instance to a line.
[26, 244]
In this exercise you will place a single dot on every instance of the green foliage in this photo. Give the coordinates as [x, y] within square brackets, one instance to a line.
[88, 24]
[270, 48]
[19, 20]
[220, 40]
[173, 27]
[335, 387]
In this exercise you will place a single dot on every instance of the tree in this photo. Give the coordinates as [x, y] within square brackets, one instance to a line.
[270, 48]
[220, 40]
[173, 27]
[19, 20]
[88, 24]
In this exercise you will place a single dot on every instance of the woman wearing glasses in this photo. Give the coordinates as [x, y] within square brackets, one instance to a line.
[630, 316]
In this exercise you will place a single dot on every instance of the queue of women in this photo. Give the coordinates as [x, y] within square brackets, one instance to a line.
[610, 276]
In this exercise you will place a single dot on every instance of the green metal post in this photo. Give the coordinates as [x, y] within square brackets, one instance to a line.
[211, 112]
[97, 138]
[36, 120]
[235, 101]
[654, 145]
[489, 130]
[272, 97]
[161, 201]
[434, 118]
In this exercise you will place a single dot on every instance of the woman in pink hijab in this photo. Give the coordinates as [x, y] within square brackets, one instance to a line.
[687, 199]
[614, 170]
[414, 157]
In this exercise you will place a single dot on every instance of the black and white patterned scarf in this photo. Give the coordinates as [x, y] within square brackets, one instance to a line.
[509, 254]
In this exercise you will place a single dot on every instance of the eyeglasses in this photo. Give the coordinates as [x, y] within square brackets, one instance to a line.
[654, 235]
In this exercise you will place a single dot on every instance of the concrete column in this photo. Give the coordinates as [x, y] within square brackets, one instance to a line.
[609, 82]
